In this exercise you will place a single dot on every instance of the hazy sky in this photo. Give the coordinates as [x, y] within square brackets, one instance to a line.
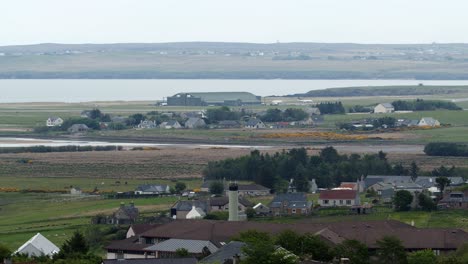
[262, 21]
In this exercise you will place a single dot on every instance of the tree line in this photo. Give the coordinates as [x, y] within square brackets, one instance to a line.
[328, 168]
[446, 149]
[423, 105]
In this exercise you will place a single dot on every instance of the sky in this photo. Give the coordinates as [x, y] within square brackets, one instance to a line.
[258, 21]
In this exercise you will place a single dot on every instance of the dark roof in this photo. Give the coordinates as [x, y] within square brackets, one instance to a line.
[220, 97]
[280, 198]
[430, 181]
[252, 187]
[130, 243]
[172, 123]
[151, 261]
[338, 194]
[253, 122]
[228, 251]
[229, 123]
[187, 205]
[373, 179]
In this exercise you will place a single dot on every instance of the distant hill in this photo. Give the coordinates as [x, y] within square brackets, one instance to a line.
[385, 91]
[195, 60]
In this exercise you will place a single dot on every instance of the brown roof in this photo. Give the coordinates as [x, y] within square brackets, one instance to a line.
[368, 232]
[338, 194]
[140, 228]
[130, 244]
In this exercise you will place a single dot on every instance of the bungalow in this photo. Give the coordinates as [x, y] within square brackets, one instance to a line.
[195, 248]
[152, 189]
[38, 246]
[331, 198]
[254, 123]
[261, 209]
[428, 122]
[384, 108]
[78, 128]
[373, 179]
[171, 124]
[54, 121]
[290, 204]
[219, 233]
[195, 122]
[230, 253]
[147, 124]
[229, 124]
[181, 208]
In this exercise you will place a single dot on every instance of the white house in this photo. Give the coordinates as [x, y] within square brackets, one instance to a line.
[255, 123]
[38, 245]
[147, 124]
[428, 121]
[384, 108]
[76, 191]
[195, 213]
[54, 121]
[332, 198]
[170, 124]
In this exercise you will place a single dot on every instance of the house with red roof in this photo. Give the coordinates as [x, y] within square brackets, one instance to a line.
[339, 197]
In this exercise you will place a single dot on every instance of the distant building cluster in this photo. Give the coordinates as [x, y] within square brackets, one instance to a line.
[214, 98]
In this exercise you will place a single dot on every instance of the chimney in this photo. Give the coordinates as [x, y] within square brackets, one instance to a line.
[233, 202]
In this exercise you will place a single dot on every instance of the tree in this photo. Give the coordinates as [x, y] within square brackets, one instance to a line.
[422, 256]
[216, 188]
[329, 155]
[250, 212]
[283, 256]
[391, 251]
[426, 203]
[95, 114]
[181, 253]
[442, 182]
[259, 248]
[291, 241]
[4, 252]
[402, 200]
[414, 170]
[180, 187]
[76, 245]
[316, 248]
[356, 251]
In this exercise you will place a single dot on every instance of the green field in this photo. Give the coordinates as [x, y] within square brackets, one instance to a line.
[24, 214]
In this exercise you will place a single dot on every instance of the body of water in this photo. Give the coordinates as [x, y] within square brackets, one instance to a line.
[70, 90]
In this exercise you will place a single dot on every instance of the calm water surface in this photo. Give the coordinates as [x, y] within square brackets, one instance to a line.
[70, 90]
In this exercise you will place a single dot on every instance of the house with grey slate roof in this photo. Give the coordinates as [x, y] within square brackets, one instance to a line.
[290, 204]
[195, 248]
[194, 123]
[254, 123]
[384, 108]
[227, 254]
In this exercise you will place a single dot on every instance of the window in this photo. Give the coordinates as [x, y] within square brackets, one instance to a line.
[341, 201]
[348, 202]
[293, 211]
[325, 201]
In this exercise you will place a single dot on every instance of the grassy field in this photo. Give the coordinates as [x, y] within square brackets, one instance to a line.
[56, 216]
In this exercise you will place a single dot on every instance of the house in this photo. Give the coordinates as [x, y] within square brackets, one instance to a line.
[151, 261]
[332, 198]
[54, 121]
[384, 108]
[171, 124]
[195, 213]
[454, 200]
[147, 124]
[373, 179]
[78, 128]
[428, 122]
[261, 209]
[409, 186]
[254, 123]
[181, 208]
[229, 124]
[195, 122]
[252, 190]
[76, 191]
[125, 215]
[229, 253]
[290, 204]
[37, 246]
[219, 233]
[153, 189]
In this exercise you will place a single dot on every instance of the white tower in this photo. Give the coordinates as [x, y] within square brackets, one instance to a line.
[233, 202]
